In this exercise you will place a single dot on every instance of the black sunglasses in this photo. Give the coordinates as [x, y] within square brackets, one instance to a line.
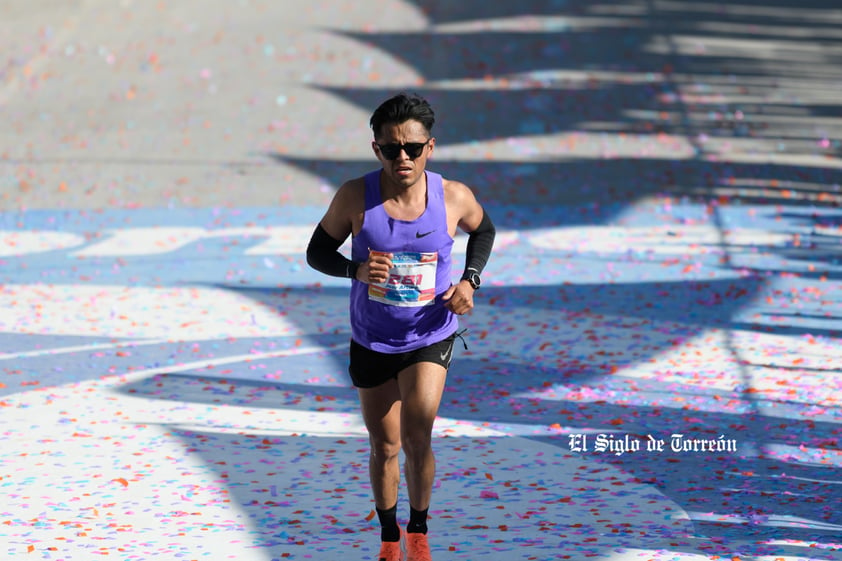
[393, 150]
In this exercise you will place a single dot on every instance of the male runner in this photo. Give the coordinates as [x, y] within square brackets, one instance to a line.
[403, 304]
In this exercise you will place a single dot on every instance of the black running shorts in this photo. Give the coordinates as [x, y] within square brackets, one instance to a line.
[369, 368]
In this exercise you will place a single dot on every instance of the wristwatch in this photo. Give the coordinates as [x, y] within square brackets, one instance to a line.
[474, 280]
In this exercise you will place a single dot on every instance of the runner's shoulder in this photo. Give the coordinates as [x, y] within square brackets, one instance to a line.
[456, 190]
[352, 188]
[351, 194]
[457, 194]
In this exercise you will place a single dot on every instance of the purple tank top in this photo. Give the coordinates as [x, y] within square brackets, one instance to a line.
[406, 312]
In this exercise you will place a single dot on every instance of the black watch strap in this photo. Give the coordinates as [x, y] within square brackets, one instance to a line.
[473, 279]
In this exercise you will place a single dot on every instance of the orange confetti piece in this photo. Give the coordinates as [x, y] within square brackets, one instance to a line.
[122, 481]
[370, 516]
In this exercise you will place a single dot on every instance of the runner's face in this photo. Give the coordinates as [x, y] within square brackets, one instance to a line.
[404, 170]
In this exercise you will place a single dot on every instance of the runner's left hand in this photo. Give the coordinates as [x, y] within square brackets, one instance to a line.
[459, 298]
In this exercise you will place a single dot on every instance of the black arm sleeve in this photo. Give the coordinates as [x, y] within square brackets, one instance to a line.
[480, 242]
[323, 256]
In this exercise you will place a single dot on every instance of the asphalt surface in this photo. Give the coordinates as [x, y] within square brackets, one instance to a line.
[653, 367]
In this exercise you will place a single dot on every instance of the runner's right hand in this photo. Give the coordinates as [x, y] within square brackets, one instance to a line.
[376, 268]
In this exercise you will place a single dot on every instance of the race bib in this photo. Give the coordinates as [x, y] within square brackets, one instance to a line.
[411, 282]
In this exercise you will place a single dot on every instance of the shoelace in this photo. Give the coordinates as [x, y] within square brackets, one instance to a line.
[417, 550]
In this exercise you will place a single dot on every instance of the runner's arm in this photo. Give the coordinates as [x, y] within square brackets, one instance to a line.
[480, 243]
[323, 255]
[335, 227]
[480, 229]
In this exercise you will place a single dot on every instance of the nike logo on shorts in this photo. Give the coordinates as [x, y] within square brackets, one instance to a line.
[420, 235]
[445, 356]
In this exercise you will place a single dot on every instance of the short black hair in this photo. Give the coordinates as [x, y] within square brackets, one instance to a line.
[401, 108]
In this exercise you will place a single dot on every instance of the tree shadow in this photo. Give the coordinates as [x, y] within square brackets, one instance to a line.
[653, 95]
[813, 253]
[292, 487]
[748, 12]
[764, 489]
[770, 488]
[616, 183]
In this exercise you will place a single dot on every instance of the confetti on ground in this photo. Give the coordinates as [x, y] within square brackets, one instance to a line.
[653, 368]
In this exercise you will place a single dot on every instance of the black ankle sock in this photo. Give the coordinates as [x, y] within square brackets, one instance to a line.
[417, 521]
[389, 529]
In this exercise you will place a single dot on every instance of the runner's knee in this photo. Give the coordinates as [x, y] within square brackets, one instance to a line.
[417, 443]
[384, 450]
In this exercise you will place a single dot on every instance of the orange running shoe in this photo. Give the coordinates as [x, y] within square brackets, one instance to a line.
[417, 547]
[390, 551]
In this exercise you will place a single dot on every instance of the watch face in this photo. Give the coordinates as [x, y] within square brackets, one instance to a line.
[475, 281]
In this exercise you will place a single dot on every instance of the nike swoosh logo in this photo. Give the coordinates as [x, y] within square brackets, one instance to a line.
[443, 356]
[420, 235]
